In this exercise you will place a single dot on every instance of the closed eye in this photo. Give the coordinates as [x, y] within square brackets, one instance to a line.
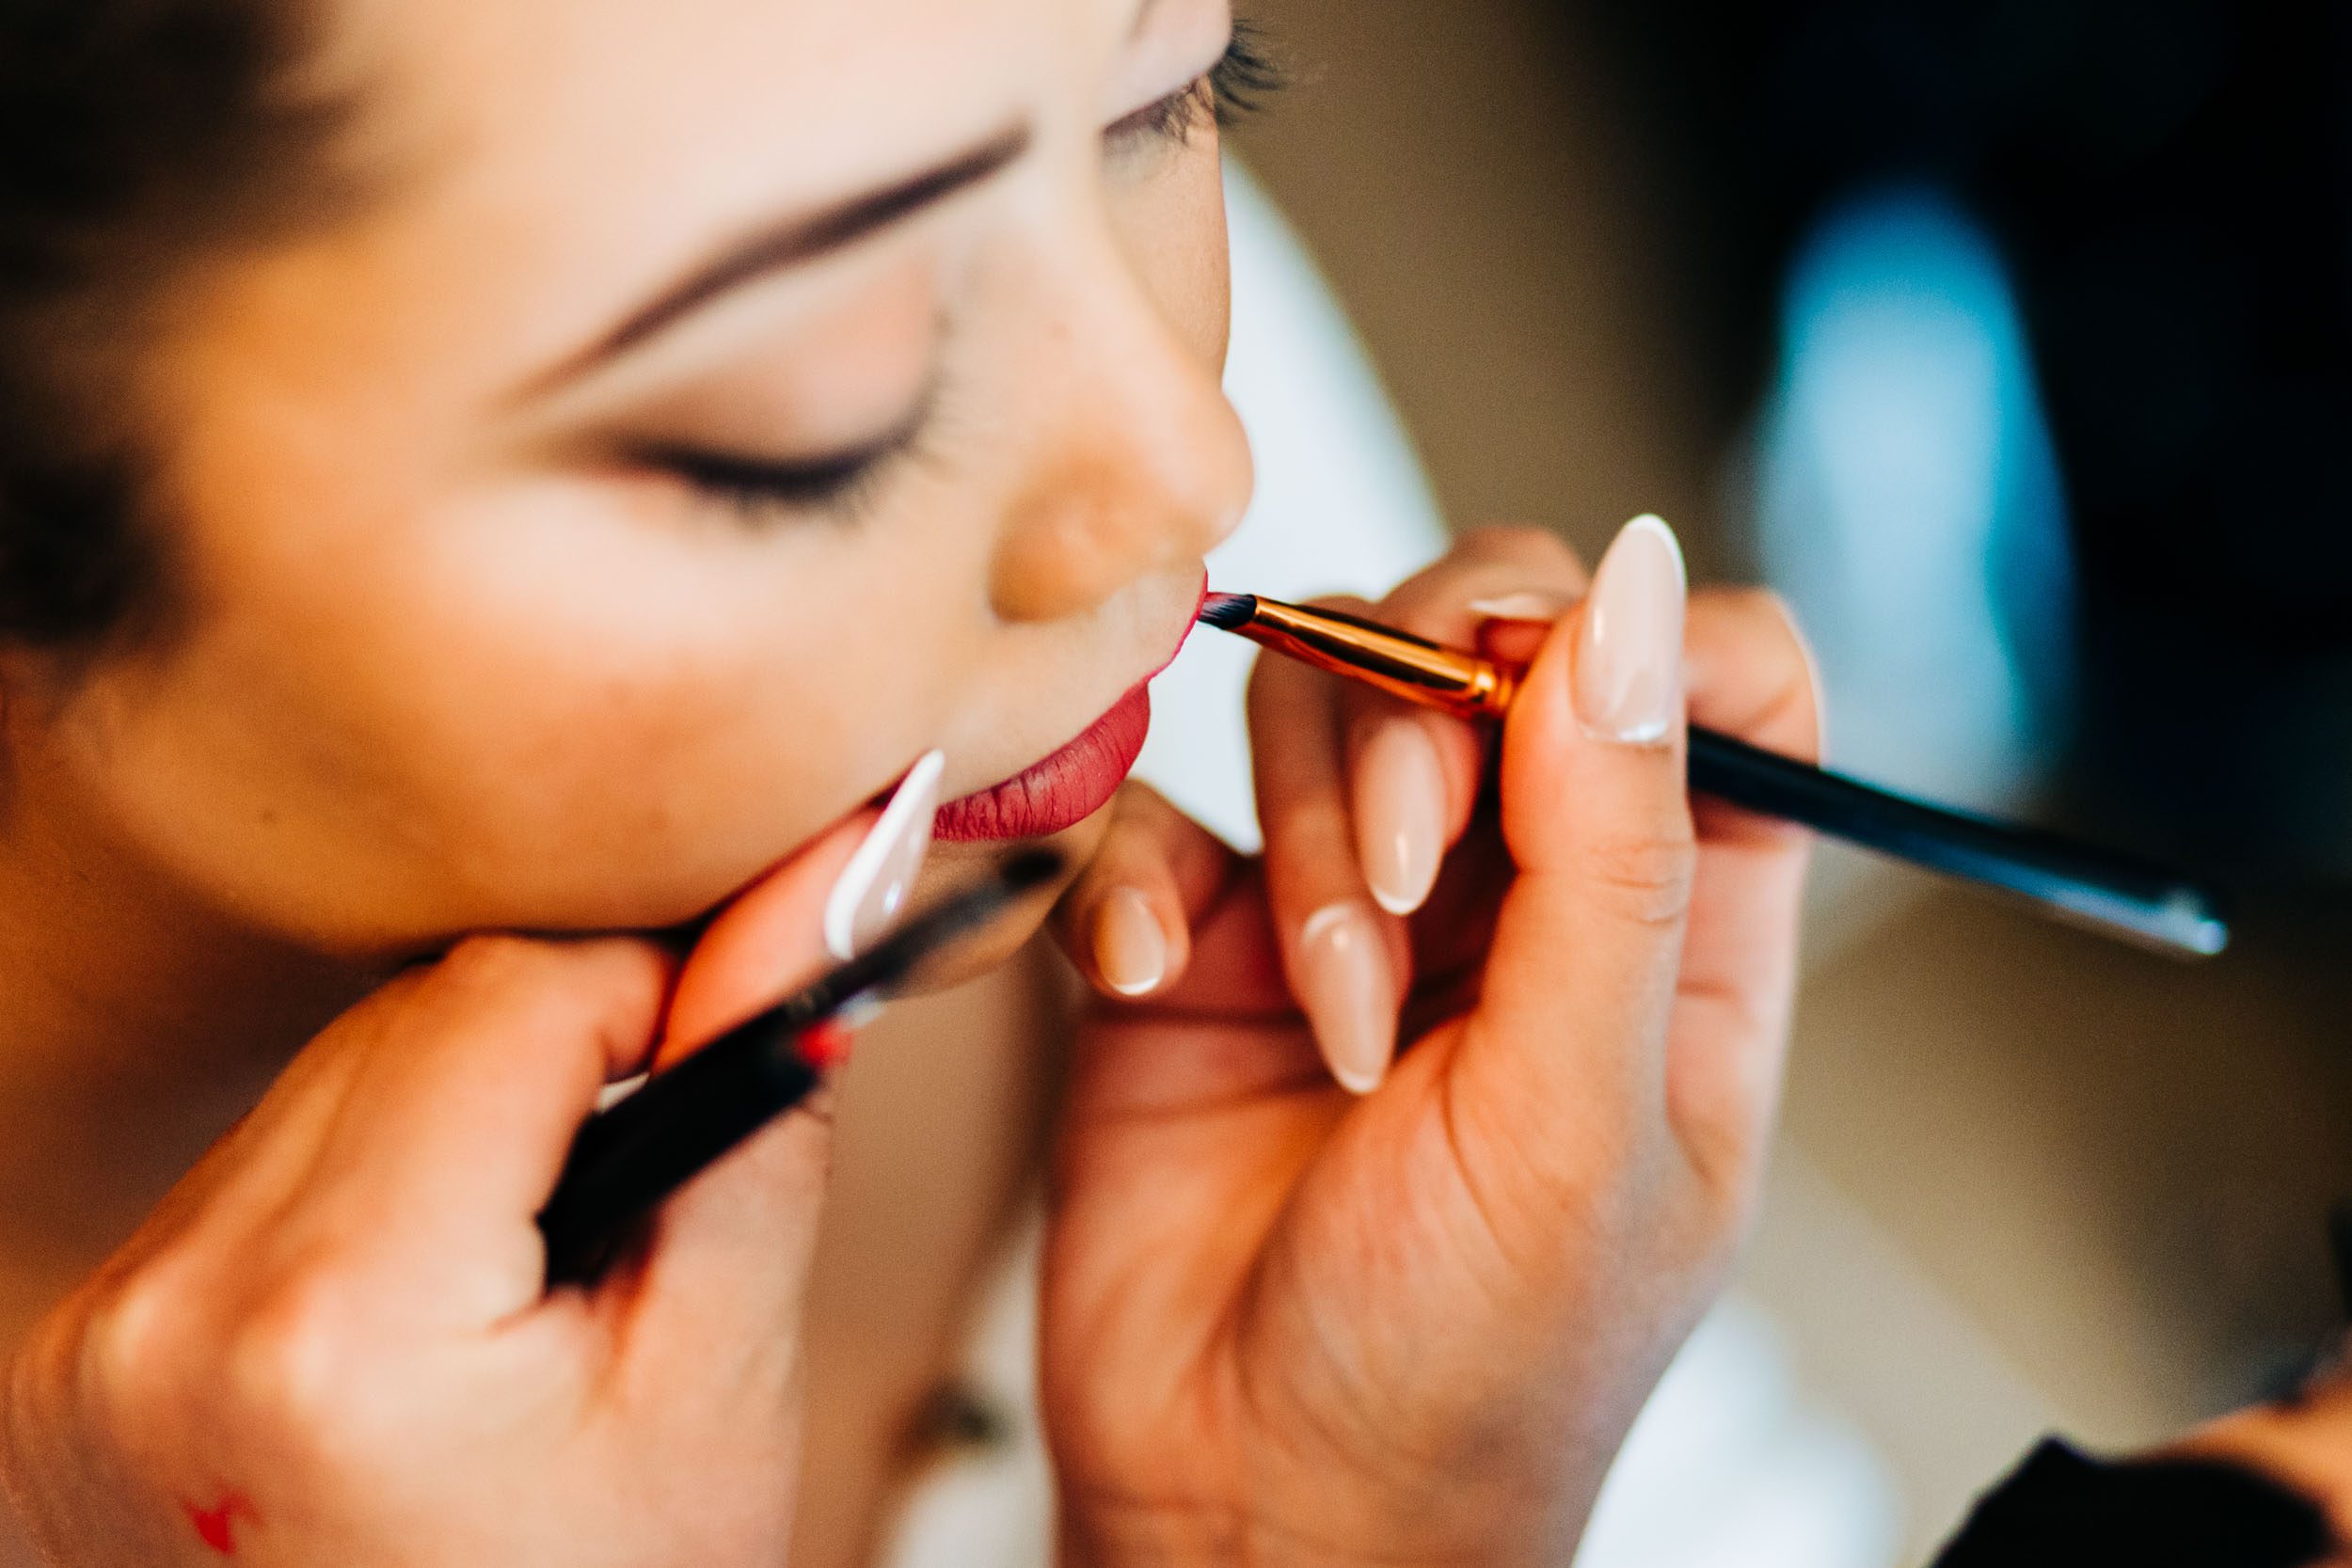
[752, 485]
[767, 489]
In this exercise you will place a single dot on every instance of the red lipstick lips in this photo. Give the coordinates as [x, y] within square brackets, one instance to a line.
[1075, 783]
[1061, 791]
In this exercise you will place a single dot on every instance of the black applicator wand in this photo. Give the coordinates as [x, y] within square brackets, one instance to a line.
[630, 1157]
[2113, 894]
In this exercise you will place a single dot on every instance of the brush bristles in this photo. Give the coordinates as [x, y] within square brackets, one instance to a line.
[1228, 612]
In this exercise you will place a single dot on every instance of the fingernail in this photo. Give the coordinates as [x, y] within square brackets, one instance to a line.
[1344, 985]
[1628, 661]
[872, 892]
[1521, 607]
[1130, 949]
[1400, 817]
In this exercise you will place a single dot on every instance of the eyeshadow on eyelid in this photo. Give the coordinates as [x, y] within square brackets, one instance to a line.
[815, 384]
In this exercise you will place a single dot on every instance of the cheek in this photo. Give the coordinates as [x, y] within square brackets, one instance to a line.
[657, 708]
[1172, 230]
[564, 708]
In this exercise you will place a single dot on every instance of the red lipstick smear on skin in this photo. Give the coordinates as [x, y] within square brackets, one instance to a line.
[827, 1044]
[217, 1527]
[1076, 782]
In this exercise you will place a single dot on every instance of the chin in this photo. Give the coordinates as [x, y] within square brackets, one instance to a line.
[955, 866]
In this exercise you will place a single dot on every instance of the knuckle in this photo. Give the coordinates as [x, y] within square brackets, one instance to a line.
[134, 1338]
[1648, 877]
[284, 1363]
[487, 961]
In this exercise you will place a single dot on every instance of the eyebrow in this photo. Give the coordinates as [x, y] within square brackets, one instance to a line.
[802, 238]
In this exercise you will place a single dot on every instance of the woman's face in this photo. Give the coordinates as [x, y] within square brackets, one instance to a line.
[722, 403]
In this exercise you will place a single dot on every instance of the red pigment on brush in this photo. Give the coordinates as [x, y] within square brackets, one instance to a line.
[217, 1526]
[827, 1044]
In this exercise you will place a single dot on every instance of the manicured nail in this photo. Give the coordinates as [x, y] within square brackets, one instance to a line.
[1130, 949]
[1399, 815]
[1521, 607]
[1628, 661]
[1344, 985]
[872, 892]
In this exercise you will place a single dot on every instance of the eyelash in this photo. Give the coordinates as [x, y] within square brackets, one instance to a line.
[1233, 89]
[759, 491]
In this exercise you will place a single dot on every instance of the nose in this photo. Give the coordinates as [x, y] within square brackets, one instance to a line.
[1143, 467]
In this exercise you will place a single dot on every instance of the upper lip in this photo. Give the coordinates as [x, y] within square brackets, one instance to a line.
[1191, 622]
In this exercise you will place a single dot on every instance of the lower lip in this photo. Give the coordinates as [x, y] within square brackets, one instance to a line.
[1063, 790]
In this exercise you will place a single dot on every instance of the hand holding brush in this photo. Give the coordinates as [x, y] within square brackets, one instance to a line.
[2119, 895]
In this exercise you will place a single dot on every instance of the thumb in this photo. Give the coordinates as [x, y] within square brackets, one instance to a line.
[1565, 1051]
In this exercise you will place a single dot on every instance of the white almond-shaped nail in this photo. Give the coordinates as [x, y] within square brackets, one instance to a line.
[1343, 983]
[872, 892]
[1130, 948]
[1399, 815]
[1629, 665]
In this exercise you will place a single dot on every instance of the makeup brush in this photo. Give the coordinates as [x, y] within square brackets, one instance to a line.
[631, 1156]
[2113, 894]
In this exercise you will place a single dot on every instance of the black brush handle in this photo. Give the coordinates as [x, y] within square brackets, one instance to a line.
[2119, 895]
[629, 1157]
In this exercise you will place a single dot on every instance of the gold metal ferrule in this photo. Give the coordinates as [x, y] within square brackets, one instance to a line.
[1403, 665]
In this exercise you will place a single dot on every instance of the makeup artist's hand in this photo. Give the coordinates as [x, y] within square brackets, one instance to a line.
[332, 1344]
[2303, 1442]
[1284, 1323]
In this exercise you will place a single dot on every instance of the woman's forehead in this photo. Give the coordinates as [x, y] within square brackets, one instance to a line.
[873, 82]
[721, 114]
[554, 162]
[566, 151]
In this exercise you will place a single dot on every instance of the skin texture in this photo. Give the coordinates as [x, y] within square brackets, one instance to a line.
[512, 647]
[445, 661]
[450, 659]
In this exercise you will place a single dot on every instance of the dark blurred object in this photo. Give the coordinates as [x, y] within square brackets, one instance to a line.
[2170, 183]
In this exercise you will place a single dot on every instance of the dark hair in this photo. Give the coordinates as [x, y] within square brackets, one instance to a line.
[138, 139]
